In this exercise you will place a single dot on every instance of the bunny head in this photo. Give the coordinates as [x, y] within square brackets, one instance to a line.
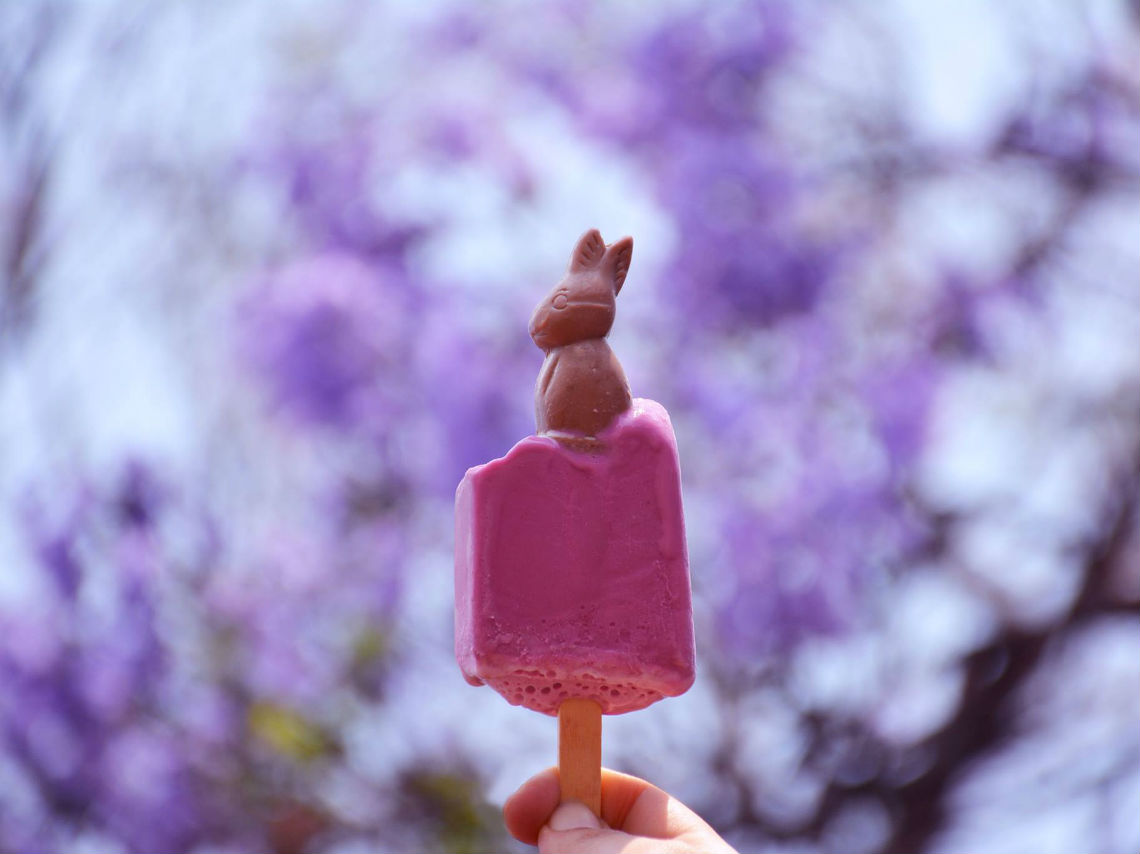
[582, 305]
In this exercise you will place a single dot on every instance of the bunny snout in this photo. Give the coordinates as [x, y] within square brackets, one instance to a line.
[539, 328]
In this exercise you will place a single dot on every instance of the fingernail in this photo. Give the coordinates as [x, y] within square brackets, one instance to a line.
[572, 815]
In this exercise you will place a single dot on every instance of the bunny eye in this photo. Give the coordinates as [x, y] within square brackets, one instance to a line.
[560, 301]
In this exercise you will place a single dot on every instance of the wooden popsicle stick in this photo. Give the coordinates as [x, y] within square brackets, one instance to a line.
[580, 752]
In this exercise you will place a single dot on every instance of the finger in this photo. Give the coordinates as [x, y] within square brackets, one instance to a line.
[590, 841]
[637, 807]
[528, 809]
[574, 829]
[628, 803]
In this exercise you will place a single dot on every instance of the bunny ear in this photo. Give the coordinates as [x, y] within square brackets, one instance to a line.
[621, 253]
[589, 251]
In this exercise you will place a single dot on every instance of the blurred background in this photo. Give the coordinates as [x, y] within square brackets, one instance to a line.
[265, 274]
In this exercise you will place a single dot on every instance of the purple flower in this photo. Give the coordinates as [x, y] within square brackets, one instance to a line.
[804, 460]
[899, 399]
[146, 777]
[330, 335]
[295, 617]
[708, 70]
[326, 180]
[86, 675]
[52, 534]
[479, 399]
[785, 589]
[739, 261]
[140, 496]
[691, 106]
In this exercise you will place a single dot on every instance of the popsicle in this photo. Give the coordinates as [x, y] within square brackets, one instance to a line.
[572, 594]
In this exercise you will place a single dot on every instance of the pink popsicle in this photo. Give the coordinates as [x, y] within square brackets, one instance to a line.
[571, 571]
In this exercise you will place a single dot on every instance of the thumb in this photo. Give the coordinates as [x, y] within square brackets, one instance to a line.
[573, 827]
[573, 815]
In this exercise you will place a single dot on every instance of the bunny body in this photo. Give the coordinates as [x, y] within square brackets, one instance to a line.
[582, 369]
[581, 387]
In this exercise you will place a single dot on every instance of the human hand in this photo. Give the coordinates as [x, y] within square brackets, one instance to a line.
[638, 818]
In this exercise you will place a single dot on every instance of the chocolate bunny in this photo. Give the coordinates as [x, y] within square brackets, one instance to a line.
[581, 387]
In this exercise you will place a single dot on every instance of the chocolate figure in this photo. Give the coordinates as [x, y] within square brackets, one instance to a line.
[581, 387]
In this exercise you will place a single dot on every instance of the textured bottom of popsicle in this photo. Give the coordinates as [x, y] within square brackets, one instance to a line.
[544, 692]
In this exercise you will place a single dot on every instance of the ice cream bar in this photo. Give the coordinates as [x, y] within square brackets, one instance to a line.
[571, 573]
